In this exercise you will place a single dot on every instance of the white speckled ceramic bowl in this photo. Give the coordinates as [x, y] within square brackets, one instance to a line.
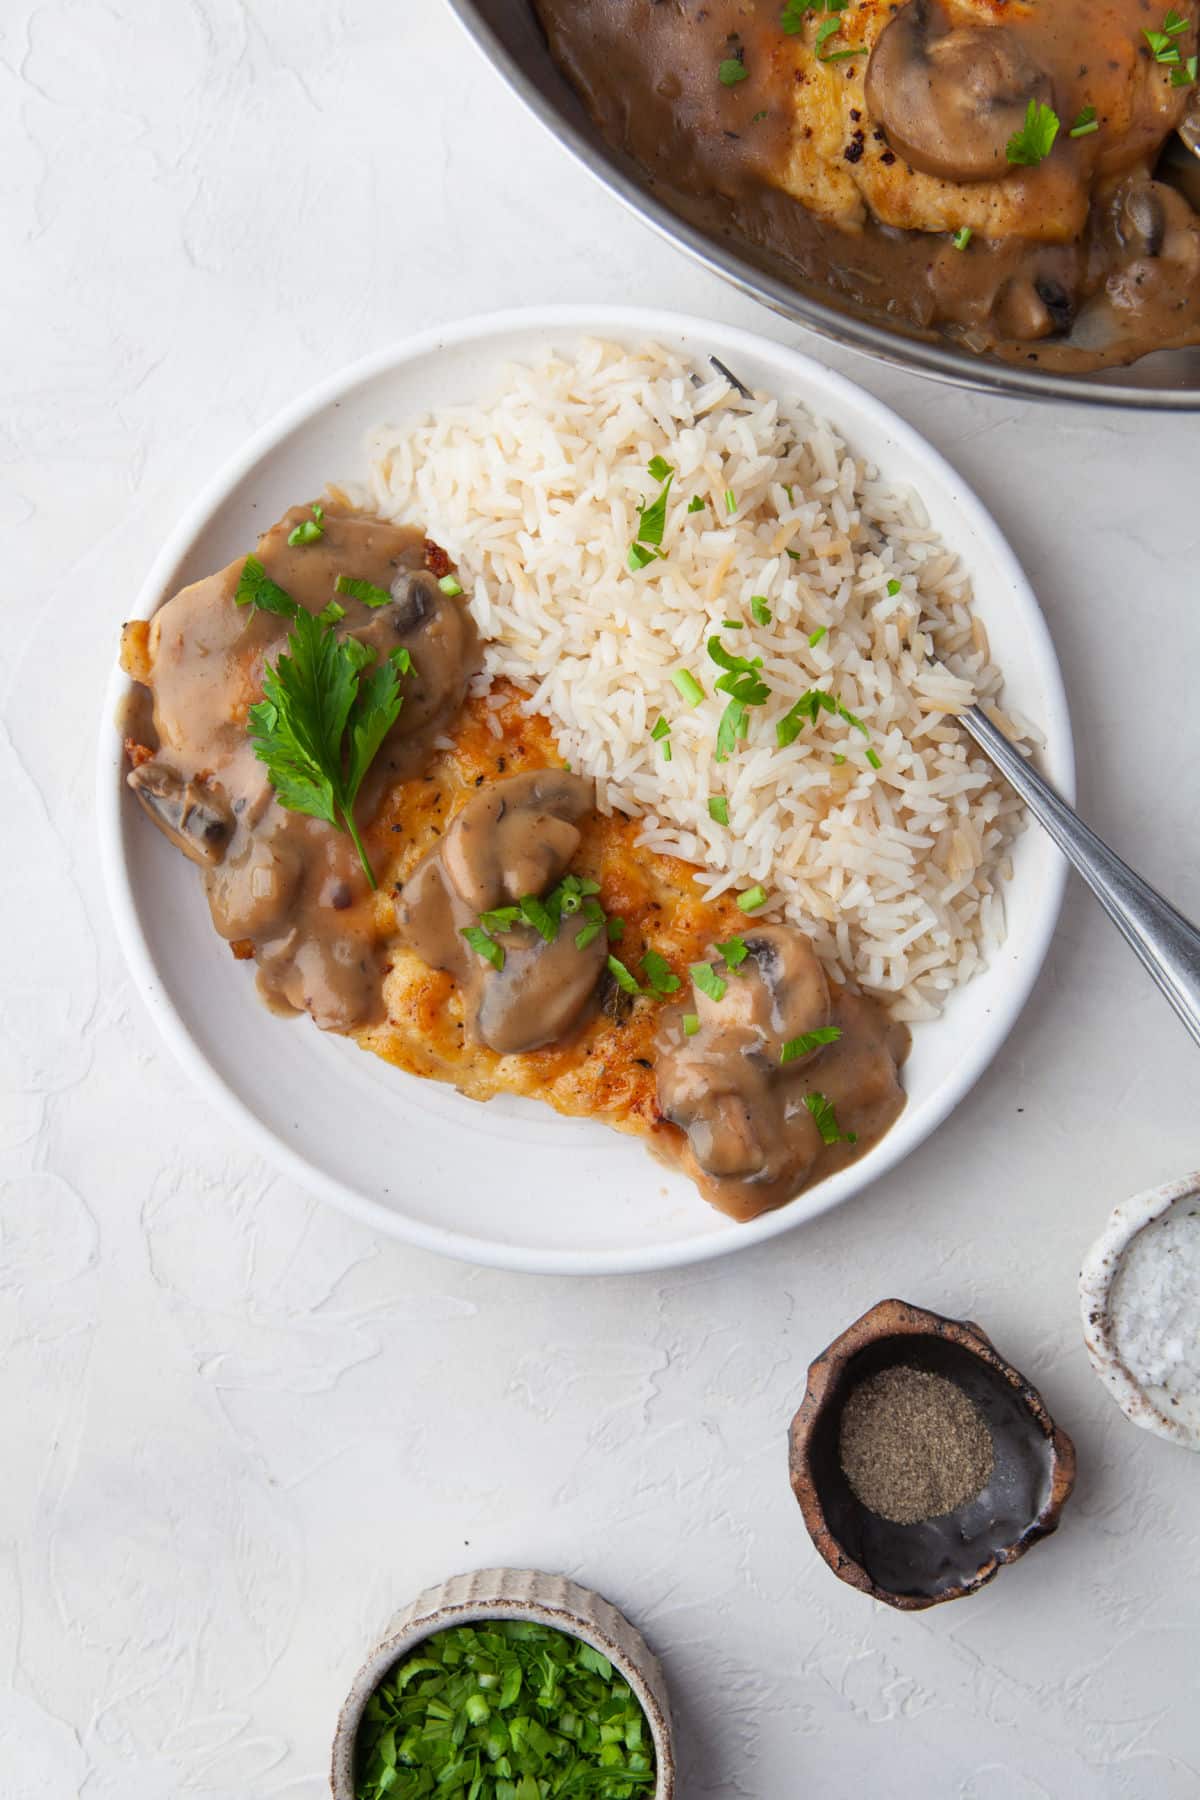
[514, 1594]
[1151, 1407]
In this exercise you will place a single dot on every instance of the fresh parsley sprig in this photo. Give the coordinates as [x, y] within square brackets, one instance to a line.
[323, 716]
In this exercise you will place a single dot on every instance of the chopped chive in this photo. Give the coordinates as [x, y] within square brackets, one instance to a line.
[873, 760]
[732, 625]
[451, 585]
[707, 980]
[963, 236]
[537, 914]
[795, 556]
[660, 731]
[730, 501]
[814, 637]
[760, 612]
[838, 761]
[753, 898]
[621, 976]
[718, 809]
[615, 929]
[688, 686]
[333, 614]
[845, 713]
[810, 1040]
[893, 587]
[691, 1024]
[586, 934]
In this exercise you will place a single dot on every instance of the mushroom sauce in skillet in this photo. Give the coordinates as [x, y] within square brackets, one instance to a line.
[472, 916]
[1018, 174]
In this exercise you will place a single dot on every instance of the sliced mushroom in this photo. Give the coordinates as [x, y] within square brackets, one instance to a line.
[438, 634]
[194, 815]
[949, 96]
[252, 895]
[543, 990]
[515, 837]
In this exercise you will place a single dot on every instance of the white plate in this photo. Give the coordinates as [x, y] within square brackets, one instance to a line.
[511, 1183]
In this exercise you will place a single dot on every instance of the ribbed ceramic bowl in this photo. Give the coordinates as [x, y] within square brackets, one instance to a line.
[514, 1594]
[1151, 1407]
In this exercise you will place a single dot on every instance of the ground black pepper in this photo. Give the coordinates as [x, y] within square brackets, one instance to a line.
[913, 1446]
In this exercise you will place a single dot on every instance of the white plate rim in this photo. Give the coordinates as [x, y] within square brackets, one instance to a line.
[592, 320]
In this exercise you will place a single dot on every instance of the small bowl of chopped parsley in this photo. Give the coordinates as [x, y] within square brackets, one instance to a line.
[507, 1685]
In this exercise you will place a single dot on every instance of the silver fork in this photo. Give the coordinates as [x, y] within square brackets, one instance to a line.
[1166, 944]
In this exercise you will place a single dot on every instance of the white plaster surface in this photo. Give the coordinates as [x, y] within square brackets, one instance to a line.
[238, 1430]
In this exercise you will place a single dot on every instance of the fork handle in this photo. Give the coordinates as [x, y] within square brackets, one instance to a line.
[1166, 943]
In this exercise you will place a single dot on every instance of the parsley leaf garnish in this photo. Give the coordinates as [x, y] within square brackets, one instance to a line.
[825, 1121]
[366, 591]
[731, 71]
[255, 588]
[808, 1042]
[1086, 123]
[322, 720]
[309, 530]
[1035, 140]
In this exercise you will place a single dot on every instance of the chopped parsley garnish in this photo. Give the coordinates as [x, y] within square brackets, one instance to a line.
[707, 980]
[808, 1042]
[1186, 73]
[733, 665]
[732, 727]
[760, 612]
[451, 585]
[730, 501]
[652, 518]
[333, 614]
[309, 530]
[503, 1708]
[536, 913]
[734, 951]
[255, 588]
[622, 977]
[688, 686]
[795, 12]
[658, 973]
[366, 591]
[1086, 123]
[806, 708]
[718, 809]
[823, 1117]
[658, 468]
[753, 898]
[814, 637]
[322, 717]
[640, 557]
[759, 117]
[964, 234]
[691, 1024]
[838, 761]
[696, 504]
[893, 587]
[1035, 140]
[485, 944]
[731, 71]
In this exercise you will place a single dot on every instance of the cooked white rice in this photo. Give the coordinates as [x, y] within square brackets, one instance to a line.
[895, 872]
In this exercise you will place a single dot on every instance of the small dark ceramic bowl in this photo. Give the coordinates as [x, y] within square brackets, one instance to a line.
[913, 1566]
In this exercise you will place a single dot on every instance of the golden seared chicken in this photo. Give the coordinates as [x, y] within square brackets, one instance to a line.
[915, 128]
[883, 151]
[468, 913]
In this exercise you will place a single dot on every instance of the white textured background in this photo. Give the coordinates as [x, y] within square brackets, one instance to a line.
[236, 1429]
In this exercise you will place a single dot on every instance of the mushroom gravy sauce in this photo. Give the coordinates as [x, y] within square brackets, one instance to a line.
[466, 809]
[883, 178]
